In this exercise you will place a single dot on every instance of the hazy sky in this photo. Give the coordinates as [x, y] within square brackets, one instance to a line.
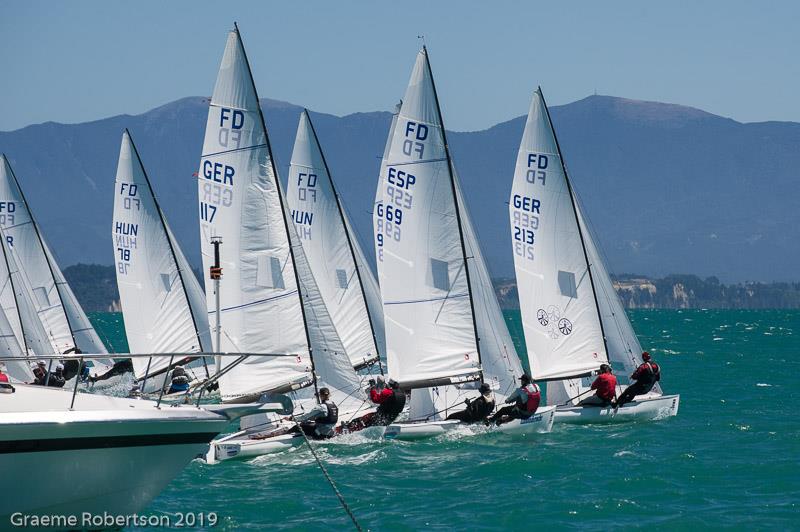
[79, 61]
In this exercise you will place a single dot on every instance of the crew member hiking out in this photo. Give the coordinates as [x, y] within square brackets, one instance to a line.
[526, 400]
[646, 376]
[57, 378]
[3, 376]
[319, 423]
[390, 400]
[606, 386]
[477, 409]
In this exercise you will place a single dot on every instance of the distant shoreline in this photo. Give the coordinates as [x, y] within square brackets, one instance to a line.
[95, 286]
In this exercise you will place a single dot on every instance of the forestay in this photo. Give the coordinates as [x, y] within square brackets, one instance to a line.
[240, 201]
[162, 301]
[64, 321]
[330, 246]
[430, 333]
[560, 317]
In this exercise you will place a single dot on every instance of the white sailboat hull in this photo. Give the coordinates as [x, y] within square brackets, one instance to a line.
[541, 421]
[644, 408]
[242, 448]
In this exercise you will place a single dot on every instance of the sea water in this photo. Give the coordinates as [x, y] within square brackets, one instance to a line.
[731, 458]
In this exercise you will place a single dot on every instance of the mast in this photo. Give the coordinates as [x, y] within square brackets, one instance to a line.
[349, 241]
[14, 291]
[46, 257]
[283, 209]
[577, 222]
[171, 247]
[458, 212]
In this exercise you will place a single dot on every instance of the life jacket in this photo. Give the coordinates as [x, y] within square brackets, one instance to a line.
[3, 377]
[533, 398]
[394, 404]
[648, 373]
[333, 414]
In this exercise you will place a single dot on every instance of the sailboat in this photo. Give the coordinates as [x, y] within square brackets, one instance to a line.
[162, 302]
[572, 318]
[349, 289]
[64, 321]
[269, 300]
[445, 333]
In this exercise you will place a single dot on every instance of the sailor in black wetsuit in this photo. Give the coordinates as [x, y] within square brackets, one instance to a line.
[478, 409]
[319, 423]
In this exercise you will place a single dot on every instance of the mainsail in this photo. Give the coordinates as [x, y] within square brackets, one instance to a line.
[444, 325]
[15, 299]
[560, 316]
[331, 247]
[572, 317]
[430, 331]
[64, 321]
[240, 202]
[162, 302]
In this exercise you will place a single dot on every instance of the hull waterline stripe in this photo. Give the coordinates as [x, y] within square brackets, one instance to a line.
[103, 442]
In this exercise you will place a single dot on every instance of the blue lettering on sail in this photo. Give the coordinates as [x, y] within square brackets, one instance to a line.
[302, 217]
[218, 172]
[125, 228]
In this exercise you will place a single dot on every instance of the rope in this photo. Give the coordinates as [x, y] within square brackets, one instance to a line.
[328, 478]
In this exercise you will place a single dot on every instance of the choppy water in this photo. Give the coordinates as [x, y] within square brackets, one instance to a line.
[730, 459]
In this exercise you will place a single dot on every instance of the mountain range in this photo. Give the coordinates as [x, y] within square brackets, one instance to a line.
[667, 188]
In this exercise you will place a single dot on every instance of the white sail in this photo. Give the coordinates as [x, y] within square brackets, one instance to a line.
[240, 202]
[19, 308]
[162, 303]
[18, 370]
[63, 319]
[321, 224]
[430, 333]
[333, 367]
[560, 318]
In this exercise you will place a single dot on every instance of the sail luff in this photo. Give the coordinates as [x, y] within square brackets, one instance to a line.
[14, 292]
[455, 203]
[282, 200]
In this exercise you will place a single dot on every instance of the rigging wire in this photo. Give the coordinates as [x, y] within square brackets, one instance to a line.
[329, 478]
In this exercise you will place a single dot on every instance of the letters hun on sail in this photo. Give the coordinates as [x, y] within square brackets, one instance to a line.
[430, 333]
[162, 302]
[239, 201]
[560, 317]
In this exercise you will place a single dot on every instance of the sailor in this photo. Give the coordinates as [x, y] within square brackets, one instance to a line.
[320, 421]
[390, 400]
[526, 400]
[606, 388]
[180, 380]
[72, 365]
[646, 376]
[477, 409]
[56, 379]
[3, 376]
[39, 374]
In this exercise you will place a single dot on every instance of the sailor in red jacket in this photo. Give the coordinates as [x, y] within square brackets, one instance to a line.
[390, 399]
[3, 376]
[606, 386]
[646, 376]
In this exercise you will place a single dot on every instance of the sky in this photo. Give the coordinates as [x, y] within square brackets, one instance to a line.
[80, 61]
